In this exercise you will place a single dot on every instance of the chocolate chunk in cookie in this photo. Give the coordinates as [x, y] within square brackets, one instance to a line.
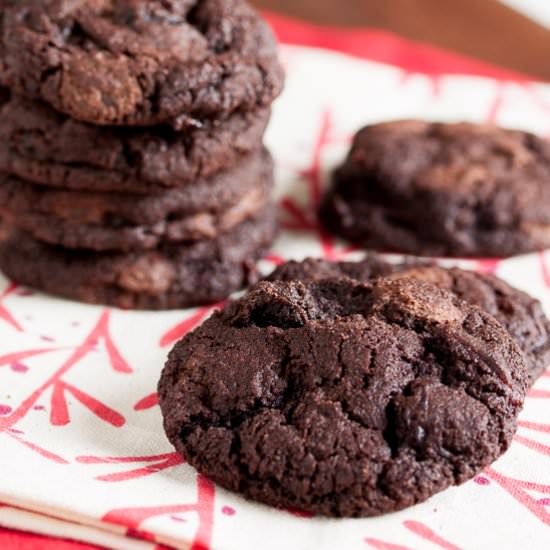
[443, 190]
[343, 398]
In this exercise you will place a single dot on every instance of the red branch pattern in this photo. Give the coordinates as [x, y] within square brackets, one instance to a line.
[5, 314]
[59, 411]
[132, 518]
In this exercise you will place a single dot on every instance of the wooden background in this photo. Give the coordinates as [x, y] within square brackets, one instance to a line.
[484, 29]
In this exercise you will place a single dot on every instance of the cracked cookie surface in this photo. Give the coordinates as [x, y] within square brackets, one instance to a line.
[139, 62]
[343, 398]
[443, 190]
[518, 312]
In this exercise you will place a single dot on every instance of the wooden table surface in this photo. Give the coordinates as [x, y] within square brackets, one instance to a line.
[485, 29]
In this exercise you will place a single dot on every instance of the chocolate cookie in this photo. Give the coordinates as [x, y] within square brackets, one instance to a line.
[101, 221]
[175, 276]
[43, 146]
[343, 398]
[137, 62]
[520, 314]
[443, 190]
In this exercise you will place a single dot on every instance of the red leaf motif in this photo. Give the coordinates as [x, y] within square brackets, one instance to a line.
[171, 461]
[11, 358]
[148, 402]
[59, 413]
[300, 219]
[538, 427]
[155, 463]
[314, 173]
[381, 545]
[427, 534]
[275, 259]
[435, 82]
[99, 409]
[132, 518]
[118, 362]
[181, 329]
[518, 490]
[534, 393]
[533, 445]
[4, 313]
[544, 269]
[418, 529]
[488, 265]
[497, 103]
[122, 459]
[38, 450]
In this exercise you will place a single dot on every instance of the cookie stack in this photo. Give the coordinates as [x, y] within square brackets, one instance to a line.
[131, 157]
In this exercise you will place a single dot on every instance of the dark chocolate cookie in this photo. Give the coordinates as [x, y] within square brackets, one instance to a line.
[520, 314]
[43, 146]
[139, 62]
[443, 190]
[343, 398]
[106, 221]
[169, 277]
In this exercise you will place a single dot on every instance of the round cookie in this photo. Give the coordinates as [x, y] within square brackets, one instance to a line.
[105, 221]
[137, 62]
[443, 190]
[169, 277]
[520, 314]
[343, 398]
[40, 145]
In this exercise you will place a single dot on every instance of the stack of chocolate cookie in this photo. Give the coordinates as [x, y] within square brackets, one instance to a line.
[131, 157]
